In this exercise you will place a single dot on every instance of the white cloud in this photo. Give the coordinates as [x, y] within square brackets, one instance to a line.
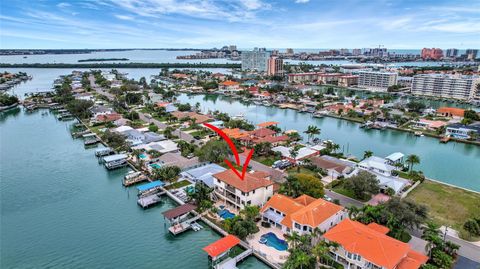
[302, 1]
[124, 17]
[63, 5]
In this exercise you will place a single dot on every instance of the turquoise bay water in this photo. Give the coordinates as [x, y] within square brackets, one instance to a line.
[61, 209]
[454, 163]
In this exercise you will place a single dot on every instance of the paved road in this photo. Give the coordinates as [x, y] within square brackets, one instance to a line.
[344, 200]
[467, 249]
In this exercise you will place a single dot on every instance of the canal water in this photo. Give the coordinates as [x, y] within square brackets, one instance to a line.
[453, 163]
[61, 209]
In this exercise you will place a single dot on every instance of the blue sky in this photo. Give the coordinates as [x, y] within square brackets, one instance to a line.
[246, 23]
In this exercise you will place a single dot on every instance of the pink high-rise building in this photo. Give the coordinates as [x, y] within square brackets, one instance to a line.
[433, 53]
[274, 66]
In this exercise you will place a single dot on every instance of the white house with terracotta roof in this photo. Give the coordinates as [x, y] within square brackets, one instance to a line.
[368, 246]
[302, 214]
[255, 189]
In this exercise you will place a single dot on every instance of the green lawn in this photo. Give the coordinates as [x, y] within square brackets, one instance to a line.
[178, 184]
[303, 170]
[447, 205]
[268, 161]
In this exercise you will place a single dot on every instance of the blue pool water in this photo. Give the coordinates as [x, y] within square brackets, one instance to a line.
[142, 156]
[156, 166]
[275, 242]
[225, 214]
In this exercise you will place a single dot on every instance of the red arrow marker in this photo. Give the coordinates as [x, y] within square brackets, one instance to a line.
[234, 151]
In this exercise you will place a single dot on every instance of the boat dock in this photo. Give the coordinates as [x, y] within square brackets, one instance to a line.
[150, 200]
[178, 218]
[115, 161]
[91, 141]
[150, 188]
[134, 180]
[103, 152]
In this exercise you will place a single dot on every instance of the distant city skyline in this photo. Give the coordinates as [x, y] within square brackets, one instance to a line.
[298, 24]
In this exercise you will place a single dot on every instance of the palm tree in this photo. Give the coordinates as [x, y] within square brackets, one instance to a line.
[412, 159]
[293, 239]
[294, 154]
[431, 233]
[302, 259]
[335, 147]
[367, 154]
[311, 131]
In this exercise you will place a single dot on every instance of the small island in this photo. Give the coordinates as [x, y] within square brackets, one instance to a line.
[103, 60]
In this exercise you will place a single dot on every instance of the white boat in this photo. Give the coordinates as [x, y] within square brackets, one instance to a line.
[266, 103]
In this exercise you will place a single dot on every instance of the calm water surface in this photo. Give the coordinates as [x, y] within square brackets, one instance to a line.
[454, 163]
[61, 209]
[163, 56]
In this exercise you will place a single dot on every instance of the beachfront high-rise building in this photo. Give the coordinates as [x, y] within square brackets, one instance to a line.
[255, 60]
[445, 86]
[356, 52]
[344, 51]
[289, 51]
[232, 47]
[376, 81]
[452, 53]
[471, 54]
[432, 54]
[274, 66]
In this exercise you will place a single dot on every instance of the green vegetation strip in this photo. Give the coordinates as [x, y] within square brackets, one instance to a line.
[447, 205]
[121, 65]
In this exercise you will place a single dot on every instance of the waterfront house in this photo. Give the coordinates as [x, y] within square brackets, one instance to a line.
[368, 246]
[176, 159]
[100, 110]
[169, 107]
[395, 158]
[302, 214]
[163, 147]
[377, 164]
[333, 166]
[199, 118]
[303, 153]
[462, 131]
[428, 124]
[451, 112]
[229, 86]
[255, 189]
[203, 174]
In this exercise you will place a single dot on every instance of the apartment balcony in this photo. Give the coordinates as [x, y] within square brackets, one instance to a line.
[230, 189]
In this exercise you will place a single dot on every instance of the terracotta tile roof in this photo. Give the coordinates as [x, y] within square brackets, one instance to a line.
[316, 212]
[222, 245]
[268, 123]
[375, 247]
[304, 209]
[229, 83]
[304, 199]
[249, 183]
[109, 117]
[273, 139]
[413, 260]
[451, 110]
[379, 228]
[234, 133]
[262, 132]
[326, 164]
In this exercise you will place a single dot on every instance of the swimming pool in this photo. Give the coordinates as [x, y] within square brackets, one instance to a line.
[225, 213]
[273, 241]
[156, 165]
[142, 156]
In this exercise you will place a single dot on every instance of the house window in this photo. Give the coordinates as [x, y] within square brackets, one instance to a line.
[297, 226]
[253, 192]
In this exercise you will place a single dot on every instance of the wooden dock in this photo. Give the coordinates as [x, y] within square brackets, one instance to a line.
[134, 180]
[183, 226]
[444, 139]
[150, 200]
